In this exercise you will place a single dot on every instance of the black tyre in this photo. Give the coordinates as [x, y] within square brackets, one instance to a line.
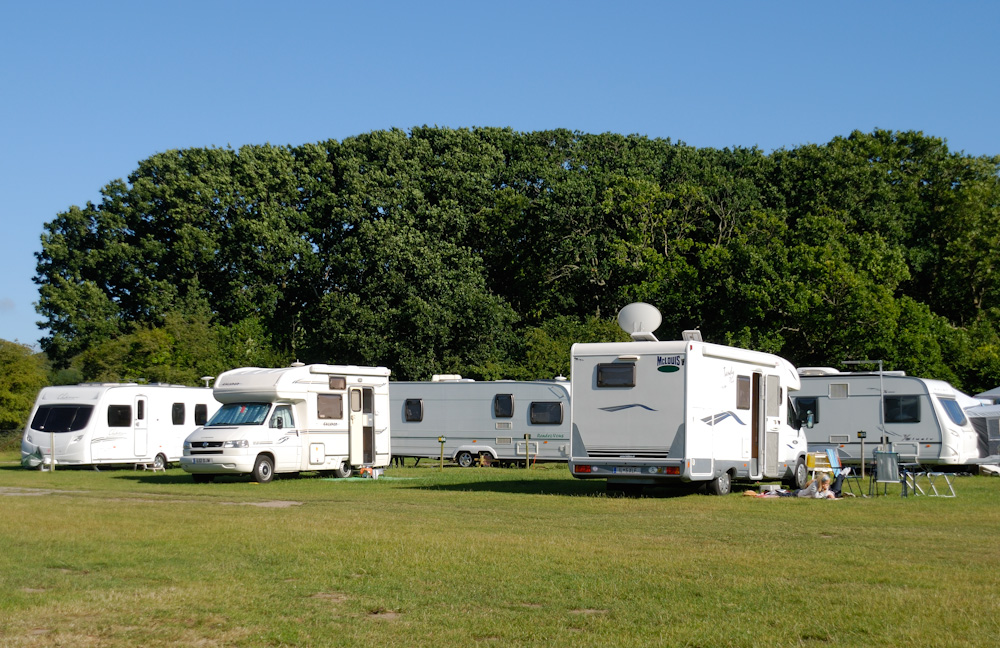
[263, 470]
[344, 471]
[800, 476]
[721, 485]
[200, 478]
[159, 462]
[464, 459]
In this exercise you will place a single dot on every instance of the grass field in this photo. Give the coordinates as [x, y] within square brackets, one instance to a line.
[483, 557]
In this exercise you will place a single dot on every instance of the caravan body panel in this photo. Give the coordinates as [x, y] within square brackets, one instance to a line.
[923, 420]
[651, 411]
[302, 418]
[481, 418]
[113, 423]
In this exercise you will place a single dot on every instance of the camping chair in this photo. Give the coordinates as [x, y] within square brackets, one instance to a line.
[818, 462]
[849, 475]
[886, 472]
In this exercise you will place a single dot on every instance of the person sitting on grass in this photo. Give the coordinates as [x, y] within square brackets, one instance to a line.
[815, 489]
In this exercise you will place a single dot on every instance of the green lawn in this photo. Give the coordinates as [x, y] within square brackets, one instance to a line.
[483, 556]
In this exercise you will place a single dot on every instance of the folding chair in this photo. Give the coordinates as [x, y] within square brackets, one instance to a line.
[849, 475]
[886, 472]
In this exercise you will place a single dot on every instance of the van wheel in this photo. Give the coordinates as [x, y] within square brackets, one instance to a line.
[263, 470]
[344, 471]
[800, 476]
[721, 485]
[160, 462]
[464, 459]
[201, 478]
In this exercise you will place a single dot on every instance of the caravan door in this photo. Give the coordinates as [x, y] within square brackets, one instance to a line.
[772, 424]
[362, 426]
[140, 427]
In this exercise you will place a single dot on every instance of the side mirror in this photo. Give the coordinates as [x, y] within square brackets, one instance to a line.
[279, 423]
[810, 419]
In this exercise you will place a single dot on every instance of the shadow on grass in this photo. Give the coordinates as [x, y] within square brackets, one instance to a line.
[569, 487]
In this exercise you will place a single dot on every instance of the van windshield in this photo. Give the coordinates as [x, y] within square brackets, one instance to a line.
[61, 418]
[240, 414]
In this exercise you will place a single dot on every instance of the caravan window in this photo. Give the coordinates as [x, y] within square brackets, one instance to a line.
[120, 415]
[546, 413]
[338, 382]
[200, 414]
[368, 400]
[413, 410]
[954, 410]
[503, 405]
[140, 409]
[743, 392]
[177, 414]
[61, 418]
[330, 406]
[616, 374]
[806, 404]
[902, 409]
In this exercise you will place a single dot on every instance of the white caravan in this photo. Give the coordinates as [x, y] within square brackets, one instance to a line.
[301, 418]
[113, 423]
[505, 421]
[923, 420]
[651, 412]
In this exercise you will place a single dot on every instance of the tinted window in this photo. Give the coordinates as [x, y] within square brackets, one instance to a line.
[120, 415]
[954, 410]
[546, 413]
[743, 392]
[330, 406]
[618, 374]
[413, 410]
[806, 404]
[282, 417]
[338, 382]
[503, 405]
[61, 418]
[902, 409]
[200, 414]
[177, 413]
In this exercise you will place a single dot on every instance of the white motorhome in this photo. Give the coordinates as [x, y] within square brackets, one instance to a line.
[923, 420]
[301, 418]
[96, 424]
[501, 421]
[648, 412]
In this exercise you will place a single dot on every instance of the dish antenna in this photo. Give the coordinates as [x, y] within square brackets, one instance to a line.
[640, 320]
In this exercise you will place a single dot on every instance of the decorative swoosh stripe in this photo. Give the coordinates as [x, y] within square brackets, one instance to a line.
[715, 419]
[618, 408]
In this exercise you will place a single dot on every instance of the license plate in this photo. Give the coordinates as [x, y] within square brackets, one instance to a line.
[202, 460]
[629, 470]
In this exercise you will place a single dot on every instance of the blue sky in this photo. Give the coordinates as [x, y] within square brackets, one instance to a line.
[91, 88]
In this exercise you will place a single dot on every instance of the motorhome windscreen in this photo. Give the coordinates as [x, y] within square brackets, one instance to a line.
[240, 414]
[61, 418]
[805, 405]
[954, 410]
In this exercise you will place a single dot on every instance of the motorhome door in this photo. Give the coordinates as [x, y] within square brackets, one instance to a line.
[772, 424]
[140, 426]
[362, 422]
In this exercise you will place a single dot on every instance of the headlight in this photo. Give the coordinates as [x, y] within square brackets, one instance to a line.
[240, 443]
[187, 445]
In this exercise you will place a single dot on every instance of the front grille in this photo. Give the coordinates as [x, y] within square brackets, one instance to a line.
[205, 452]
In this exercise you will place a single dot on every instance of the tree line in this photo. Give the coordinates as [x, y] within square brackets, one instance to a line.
[486, 252]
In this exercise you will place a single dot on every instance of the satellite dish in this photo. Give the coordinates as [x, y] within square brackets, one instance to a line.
[639, 320]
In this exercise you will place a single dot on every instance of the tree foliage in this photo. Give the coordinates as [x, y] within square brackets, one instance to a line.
[486, 252]
[22, 375]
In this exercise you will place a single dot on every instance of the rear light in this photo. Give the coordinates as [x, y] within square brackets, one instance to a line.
[672, 470]
[582, 469]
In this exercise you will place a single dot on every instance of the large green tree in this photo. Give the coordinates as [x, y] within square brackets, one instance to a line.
[22, 375]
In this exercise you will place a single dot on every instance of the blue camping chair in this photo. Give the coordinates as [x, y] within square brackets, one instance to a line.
[849, 474]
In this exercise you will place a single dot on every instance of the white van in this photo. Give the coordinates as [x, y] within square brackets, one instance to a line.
[301, 418]
[503, 421]
[923, 420]
[96, 424]
[647, 412]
